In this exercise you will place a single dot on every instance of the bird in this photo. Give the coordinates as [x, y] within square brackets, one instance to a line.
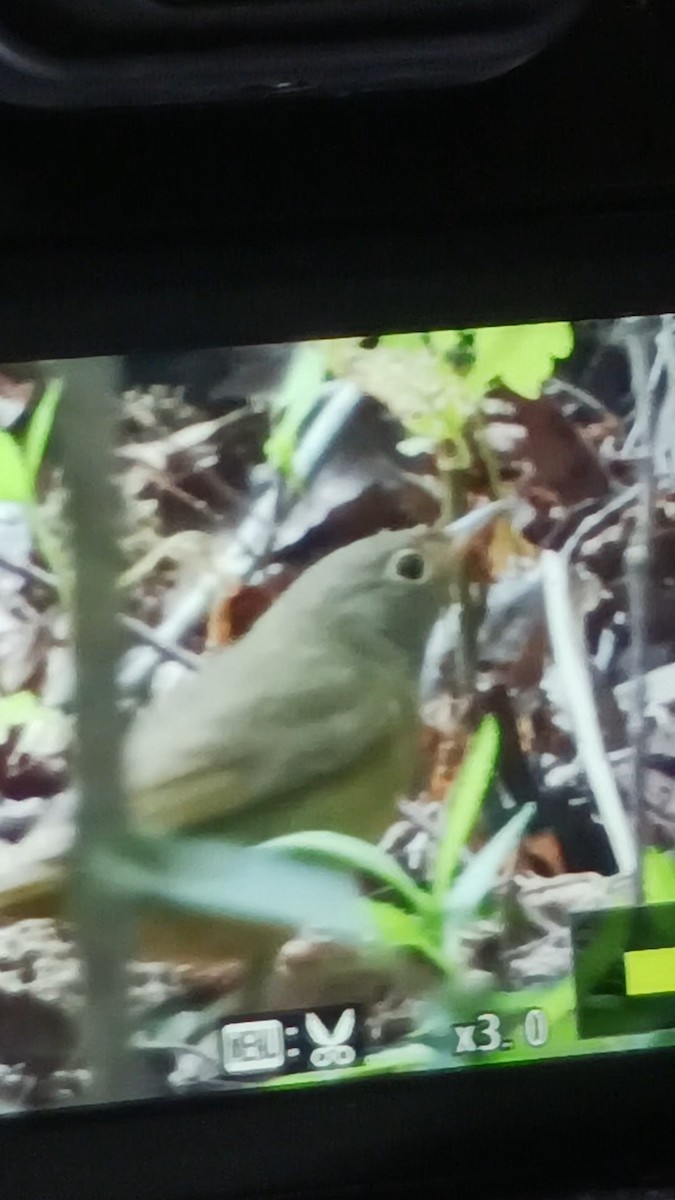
[308, 722]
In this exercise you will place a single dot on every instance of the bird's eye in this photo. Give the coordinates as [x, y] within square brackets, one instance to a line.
[410, 565]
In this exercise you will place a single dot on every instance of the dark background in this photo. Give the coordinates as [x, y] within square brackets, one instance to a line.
[548, 193]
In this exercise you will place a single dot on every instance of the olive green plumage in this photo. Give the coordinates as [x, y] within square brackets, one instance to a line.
[308, 722]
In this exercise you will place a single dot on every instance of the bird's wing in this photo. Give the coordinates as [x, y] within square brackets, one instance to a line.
[234, 736]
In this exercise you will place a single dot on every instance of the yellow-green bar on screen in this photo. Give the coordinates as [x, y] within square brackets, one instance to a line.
[650, 972]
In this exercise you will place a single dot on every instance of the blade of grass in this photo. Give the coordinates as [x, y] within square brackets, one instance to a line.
[658, 876]
[212, 877]
[464, 801]
[405, 931]
[352, 854]
[40, 427]
[15, 482]
[482, 873]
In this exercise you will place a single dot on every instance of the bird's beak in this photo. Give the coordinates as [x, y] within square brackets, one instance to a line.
[465, 529]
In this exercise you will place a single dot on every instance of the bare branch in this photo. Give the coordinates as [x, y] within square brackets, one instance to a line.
[571, 662]
[596, 520]
[559, 387]
[139, 631]
[29, 573]
[638, 552]
[143, 633]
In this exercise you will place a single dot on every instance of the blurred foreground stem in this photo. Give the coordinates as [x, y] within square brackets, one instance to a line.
[103, 920]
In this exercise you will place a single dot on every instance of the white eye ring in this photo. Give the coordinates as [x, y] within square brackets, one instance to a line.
[410, 565]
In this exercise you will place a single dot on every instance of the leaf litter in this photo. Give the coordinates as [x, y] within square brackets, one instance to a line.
[212, 536]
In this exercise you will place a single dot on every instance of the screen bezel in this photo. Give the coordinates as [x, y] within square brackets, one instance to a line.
[268, 284]
[483, 1127]
[557, 1125]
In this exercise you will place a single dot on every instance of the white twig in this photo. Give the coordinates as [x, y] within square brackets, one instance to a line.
[597, 519]
[557, 387]
[639, 430]
[571, 662]
[663, 437]
[29, 573]
[638, 553]
[162, 646]
[144, 633]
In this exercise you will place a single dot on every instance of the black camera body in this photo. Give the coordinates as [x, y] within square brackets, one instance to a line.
[321, 188]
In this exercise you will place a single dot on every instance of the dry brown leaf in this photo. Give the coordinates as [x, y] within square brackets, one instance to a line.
[505, 545]
[494, 549]
[541, 853]
[234, 615]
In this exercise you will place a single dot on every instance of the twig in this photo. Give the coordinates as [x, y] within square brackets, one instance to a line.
[139, 662]
[663, 441]
[469, 617]
[556, 387]
[172, 653]
[488, 457]
[597, 519]
[29, 573]
[571, 662]
[642, 419]
[637, 560]
[241, 561]
[339, 405]
[422, 821]
[138, 630]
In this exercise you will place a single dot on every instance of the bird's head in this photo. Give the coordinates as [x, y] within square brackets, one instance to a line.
[393, 584]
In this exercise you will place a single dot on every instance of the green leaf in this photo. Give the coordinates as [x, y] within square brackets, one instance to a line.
[480, 876]
[523, 357]
[405, 931]
[340, 851]
[17, 709]
[658, 876]
[15, 480]
[464, 801]
[402, 341]
[445, 341]
[293, 404]
[40, 428]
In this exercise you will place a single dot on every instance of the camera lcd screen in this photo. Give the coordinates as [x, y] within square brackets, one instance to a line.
[337, 710]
